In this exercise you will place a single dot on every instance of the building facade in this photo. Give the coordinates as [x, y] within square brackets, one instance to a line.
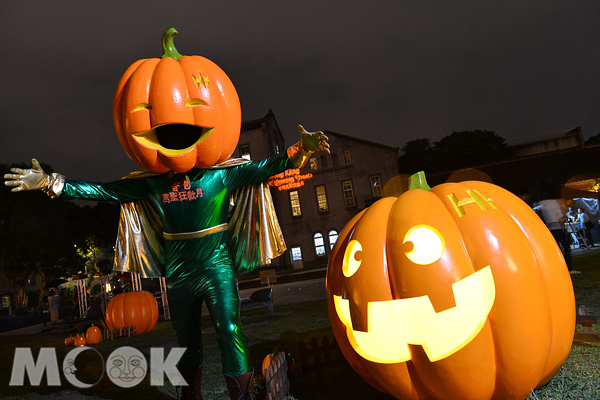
[315, 202]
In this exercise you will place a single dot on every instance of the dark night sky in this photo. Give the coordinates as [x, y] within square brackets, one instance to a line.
[387, 71]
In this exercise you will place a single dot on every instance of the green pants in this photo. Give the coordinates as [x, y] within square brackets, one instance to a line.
[217, 287]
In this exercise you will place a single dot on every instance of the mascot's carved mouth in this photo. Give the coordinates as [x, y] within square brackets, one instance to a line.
[173, 139]
[395, 324]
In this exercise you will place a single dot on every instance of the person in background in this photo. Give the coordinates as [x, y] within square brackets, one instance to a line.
[571, 227]
[585, 226]
[553, 213]
[45, 309]
[53, 302]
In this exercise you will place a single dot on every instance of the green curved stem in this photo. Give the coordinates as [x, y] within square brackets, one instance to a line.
[169, 49]
[418, 181]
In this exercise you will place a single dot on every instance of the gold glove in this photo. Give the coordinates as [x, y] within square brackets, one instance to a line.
[311, 142]
[35, 179]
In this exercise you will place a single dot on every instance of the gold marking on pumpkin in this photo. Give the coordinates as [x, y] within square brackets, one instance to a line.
[487, 199]
[203, 79]
[473, 198]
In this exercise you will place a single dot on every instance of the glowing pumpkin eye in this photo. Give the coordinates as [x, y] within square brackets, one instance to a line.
[350, 264]
[428, 244]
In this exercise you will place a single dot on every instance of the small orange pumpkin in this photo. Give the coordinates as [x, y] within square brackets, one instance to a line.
[268, 360]
[69, 341]
[177, 112]
[80, 340]
[430, 294]
[137, 309]
[93, 335]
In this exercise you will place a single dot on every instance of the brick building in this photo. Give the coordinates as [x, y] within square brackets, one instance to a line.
[314, 203]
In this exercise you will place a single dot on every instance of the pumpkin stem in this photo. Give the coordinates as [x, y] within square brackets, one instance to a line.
[169, 49]
[418, 181]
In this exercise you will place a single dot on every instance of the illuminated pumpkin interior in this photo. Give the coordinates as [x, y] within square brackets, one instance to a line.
[394, 324]
[173, 139]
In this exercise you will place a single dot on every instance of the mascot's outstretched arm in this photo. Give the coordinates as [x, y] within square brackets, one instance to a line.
[34, 179]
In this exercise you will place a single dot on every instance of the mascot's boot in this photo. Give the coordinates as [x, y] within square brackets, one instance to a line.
[193, 377]
[242, 386]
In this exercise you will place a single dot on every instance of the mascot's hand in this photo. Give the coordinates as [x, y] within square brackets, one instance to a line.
[34, 179]
[313, 141]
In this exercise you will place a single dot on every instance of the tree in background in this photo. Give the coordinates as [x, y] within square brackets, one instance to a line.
[455, 151]
[41, 235]
[593, 140]
[417, 155]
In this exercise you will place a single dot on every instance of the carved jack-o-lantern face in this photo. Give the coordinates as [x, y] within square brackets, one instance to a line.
[177, 112]
[430, 294]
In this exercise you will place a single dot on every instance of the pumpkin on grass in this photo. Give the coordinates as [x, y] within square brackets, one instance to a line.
[93, 335]
[69, 341]
[455, 292]
[176, 112]
[80, 340]
[137, 309]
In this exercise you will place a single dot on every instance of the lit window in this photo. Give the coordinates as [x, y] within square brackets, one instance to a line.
[6, 301]
[245, 151]
[319, 244]
[348, 193]
[347, 159]
[296, 253]
[376, 185]
[324, 163]
[313, 164]
[321, 198]
[295, 202]
[333, 236]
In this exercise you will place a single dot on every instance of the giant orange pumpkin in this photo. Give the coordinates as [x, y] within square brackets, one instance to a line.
[137, 309]
[177, 112]
[455, 292]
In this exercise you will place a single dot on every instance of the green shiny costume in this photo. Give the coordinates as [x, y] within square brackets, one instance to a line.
[199, 269]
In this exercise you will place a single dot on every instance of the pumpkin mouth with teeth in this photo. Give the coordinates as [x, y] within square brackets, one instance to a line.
[394, 324]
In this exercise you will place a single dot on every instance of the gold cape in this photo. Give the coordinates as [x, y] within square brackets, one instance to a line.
[255, 237]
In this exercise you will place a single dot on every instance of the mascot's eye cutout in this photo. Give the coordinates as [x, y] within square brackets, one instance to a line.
[142, 106]
[196, 103]
[428, 244]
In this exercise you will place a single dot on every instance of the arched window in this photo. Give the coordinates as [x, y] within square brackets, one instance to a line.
[333, 236]
[319, 244]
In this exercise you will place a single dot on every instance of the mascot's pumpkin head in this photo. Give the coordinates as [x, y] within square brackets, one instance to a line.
[430, 294]
[177, 112]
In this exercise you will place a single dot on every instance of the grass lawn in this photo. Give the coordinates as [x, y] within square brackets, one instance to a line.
[578, 379]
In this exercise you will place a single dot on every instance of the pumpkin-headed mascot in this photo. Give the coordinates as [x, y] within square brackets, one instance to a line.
[179, 117]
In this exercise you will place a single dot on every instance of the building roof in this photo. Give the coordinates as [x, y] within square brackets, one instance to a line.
[256, 123]
[327, 132]
[521, 175]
